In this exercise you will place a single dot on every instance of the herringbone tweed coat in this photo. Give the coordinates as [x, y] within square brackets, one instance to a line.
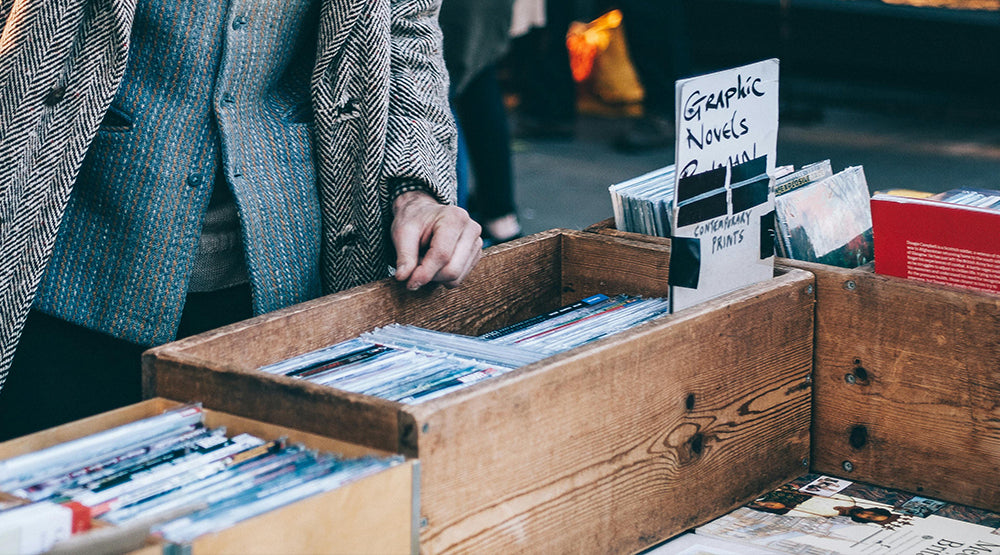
[379, 91]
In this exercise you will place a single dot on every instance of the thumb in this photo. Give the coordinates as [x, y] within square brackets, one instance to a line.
[407, 254]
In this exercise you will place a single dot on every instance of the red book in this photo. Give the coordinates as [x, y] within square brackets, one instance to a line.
[953, 242]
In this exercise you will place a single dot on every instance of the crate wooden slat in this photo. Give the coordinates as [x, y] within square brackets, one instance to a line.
[607, 227]
[371, 515]
[907, 384]
[610, 447]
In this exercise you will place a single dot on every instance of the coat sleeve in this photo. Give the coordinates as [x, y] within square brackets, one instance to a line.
[60, 66]
[421, 138]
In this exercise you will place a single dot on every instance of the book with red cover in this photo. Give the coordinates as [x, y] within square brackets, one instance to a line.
[937, 240]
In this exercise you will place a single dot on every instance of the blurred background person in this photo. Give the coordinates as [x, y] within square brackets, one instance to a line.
[657, 42]
[539, 74]
[477, 36]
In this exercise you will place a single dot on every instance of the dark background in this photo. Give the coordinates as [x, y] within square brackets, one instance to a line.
[857, 52]
[908, 93]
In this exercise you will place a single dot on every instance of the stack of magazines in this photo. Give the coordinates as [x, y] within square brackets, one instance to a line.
[824, 216]
[409, 364]
[980, 198]
[175, 475]
[643, 204]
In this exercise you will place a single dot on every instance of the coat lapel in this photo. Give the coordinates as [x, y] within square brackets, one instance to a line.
[337, 18]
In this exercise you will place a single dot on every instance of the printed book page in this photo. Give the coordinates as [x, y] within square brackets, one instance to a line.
[822, 515]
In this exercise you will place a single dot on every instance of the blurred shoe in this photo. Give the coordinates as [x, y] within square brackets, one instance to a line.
[647, 133]
[501, 230]
[531, 127]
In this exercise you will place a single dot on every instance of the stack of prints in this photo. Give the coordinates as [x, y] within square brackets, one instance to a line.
[409, 364]
[822, 515]
[823, 216]
[170, 475]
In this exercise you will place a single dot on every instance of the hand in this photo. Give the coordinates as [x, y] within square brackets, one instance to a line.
[434, 241]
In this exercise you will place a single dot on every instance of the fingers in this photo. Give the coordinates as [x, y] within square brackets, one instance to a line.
[475, 250]
[455, 248]
[407, 240]
[434, 242]
[452, 247]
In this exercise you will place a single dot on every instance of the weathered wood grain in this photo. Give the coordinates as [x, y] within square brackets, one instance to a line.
[513, 282]
[610, 447]
[907, 374]
[907, 385]
[613, 266]
[607, 227]
[640, 437]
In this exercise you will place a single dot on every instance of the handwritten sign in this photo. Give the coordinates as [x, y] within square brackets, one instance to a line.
[727, 132]
[727, 118]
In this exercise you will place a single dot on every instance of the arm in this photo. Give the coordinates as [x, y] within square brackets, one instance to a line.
[421, 137]
[434, 240]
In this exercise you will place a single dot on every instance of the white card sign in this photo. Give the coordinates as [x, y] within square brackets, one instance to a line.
[727, 131]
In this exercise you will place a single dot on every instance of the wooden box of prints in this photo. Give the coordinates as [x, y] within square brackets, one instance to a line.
[607, 447]
[371, 512]
[906, 382]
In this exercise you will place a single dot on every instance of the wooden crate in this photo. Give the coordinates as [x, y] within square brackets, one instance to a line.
[372, 515]
[907, 385]
[607, 448]
[907, 382]
[607, 227]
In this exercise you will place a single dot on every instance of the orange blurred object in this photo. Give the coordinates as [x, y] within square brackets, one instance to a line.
[601, 64]
[586, 40]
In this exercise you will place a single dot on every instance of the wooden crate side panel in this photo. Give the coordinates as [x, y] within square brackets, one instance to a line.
[907, 386]
[596, 264]
[499, 300]
[638, 439]
[607, 227]
[372, 515]
[240, 425]
[305, 406]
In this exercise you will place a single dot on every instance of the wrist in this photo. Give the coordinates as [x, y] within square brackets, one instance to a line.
[403, 187]
[408, 198]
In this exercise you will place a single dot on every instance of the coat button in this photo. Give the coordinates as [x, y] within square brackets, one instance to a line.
[346, 239]
[240, 21]
[55, 95]
[194, 180]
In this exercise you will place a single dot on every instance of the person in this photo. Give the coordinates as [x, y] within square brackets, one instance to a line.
[655, 35]
[476, 38]
[539, 67]
[169, 167]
